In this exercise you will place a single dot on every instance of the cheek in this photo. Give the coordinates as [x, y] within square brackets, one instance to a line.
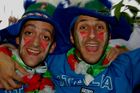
[45, 45]
[82, 35]
[101, 36]
[27, 41]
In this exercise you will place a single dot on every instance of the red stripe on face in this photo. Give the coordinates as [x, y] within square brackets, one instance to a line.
[83, 34]
[44, 44]
[101, 36]
[27, 40]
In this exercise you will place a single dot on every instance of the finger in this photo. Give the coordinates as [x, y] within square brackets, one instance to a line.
[9, 83]
[17, 77]
[14, 84]
[21, 69]
[113, 58]
[112, 54]
[1, 86]
[109, 53]
[6, 85]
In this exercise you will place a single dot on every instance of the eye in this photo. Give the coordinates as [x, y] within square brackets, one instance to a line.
[99, 27]
[28, 33]
[46, 38]
[83, 27]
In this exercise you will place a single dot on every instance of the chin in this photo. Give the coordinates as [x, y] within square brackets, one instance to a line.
[31, 64]
[91, 59]
[92, 62]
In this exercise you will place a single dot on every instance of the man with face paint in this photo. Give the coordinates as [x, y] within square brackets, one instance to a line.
[90, 37]
[34, 33]
[85, 68]
[61, 47]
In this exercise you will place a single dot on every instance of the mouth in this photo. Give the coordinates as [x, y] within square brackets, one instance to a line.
[92, 46]
[33, 51]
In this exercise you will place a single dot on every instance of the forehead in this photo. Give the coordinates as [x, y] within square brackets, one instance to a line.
[36, 22]
[83, 18]
[41, 25]
[38, 26]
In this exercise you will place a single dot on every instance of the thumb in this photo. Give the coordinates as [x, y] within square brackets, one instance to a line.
[21, 69]
[1, 86]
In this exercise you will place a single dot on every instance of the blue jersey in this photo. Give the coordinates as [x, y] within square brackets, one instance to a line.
[19, 90]
[120, 77]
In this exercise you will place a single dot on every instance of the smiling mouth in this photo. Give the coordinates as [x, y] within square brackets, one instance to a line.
[92, 47]
[32, 51]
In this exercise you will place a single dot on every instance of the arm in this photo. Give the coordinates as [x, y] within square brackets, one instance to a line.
[129, 63]
[8, 75]
[114, 52]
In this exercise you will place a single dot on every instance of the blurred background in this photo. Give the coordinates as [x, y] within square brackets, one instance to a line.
[11, 10]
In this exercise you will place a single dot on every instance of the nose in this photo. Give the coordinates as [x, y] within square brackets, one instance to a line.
[36, 42]
[92, 33]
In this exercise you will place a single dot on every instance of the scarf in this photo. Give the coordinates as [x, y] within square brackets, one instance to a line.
[81, 67]
[39, 80]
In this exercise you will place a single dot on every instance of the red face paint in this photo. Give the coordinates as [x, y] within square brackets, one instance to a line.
[83, 34]
[30, 39]
[35, 42]
[44, 44]
[101, 36]
[27, 40]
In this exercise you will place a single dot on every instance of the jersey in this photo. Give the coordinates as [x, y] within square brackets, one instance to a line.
[120, 76]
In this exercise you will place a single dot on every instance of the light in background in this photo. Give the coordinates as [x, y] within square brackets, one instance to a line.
[15, 8]
[127, 2]
[10, 8]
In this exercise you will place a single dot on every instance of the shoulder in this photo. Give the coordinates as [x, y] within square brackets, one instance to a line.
[127, 60]
[56, 60]
[133, 54]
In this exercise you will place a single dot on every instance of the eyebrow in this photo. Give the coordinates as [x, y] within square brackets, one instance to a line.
[47, 30]
[29, 25]
[32, 25]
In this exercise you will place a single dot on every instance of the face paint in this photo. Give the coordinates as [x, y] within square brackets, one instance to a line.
[83, 34]
[90, 38]
[36, 40]
[45, 45]
[101, 36]
[26, 40]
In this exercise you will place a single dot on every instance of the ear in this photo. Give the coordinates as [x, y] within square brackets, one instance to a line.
[17, 40]
[71, 38]
[52, 47]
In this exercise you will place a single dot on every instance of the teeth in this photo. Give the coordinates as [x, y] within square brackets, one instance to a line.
[33, 51]
[92, 44]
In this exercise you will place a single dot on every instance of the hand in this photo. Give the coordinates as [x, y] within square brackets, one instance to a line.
[114, 52]
[12, 20]
[8, 74]
[8, 45]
